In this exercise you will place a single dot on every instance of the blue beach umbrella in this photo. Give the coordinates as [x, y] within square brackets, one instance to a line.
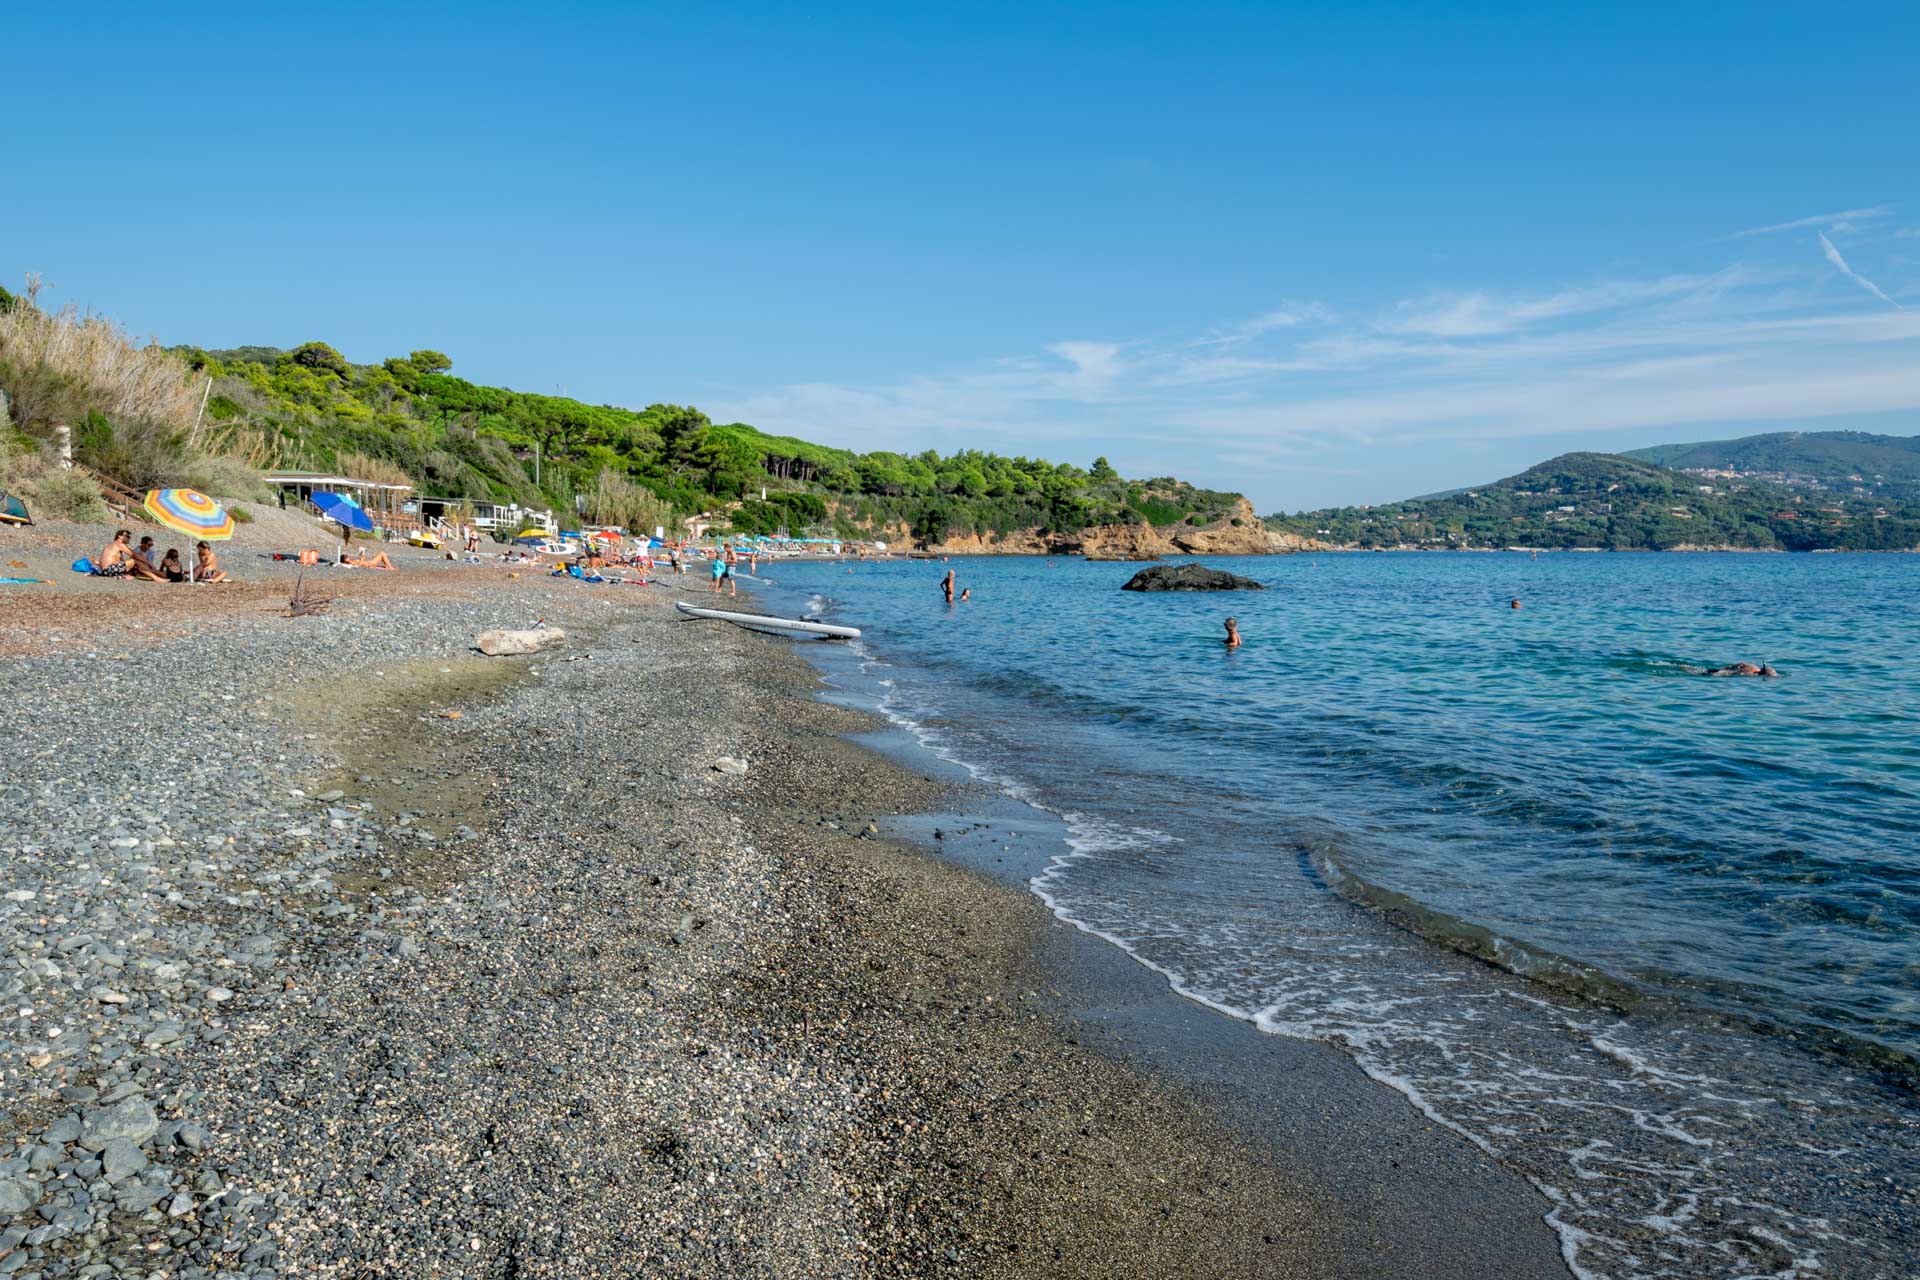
[343, 511]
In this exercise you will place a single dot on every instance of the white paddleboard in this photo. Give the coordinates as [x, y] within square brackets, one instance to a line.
[760, 622]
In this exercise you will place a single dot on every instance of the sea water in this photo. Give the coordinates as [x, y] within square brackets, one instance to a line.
[1649, 938]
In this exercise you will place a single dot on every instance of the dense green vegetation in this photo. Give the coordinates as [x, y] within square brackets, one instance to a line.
[1622, 504]
[455, 438]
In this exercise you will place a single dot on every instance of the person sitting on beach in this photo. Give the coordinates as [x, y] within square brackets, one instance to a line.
[171, 568]
[1744, 669]
[140, 563]
[117, 560]
[368, 560]
[1233, 634]
[206, 565]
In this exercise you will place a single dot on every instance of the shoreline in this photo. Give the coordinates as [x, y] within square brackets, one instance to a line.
[477, 995]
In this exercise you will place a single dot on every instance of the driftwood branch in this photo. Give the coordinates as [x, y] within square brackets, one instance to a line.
[305, 604]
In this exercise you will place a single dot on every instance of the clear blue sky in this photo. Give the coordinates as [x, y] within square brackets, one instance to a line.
[1318, 253]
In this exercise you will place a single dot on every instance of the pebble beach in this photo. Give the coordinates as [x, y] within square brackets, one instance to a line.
[329, 947]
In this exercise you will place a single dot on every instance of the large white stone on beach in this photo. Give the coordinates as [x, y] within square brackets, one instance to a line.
[505, 644]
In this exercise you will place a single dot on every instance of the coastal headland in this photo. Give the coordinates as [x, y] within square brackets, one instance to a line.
[337, 949]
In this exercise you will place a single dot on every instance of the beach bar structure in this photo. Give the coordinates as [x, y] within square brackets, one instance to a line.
[385, 504]
[509, 517]
[396, 509]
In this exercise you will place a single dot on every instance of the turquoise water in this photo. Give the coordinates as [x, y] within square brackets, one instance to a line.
[1699, 897]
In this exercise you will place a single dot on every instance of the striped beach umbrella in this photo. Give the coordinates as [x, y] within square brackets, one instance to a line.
[190, 512]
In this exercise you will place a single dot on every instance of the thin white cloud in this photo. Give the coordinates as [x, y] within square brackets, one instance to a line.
[1840, 263]
[1288, 316]
[1818, 220]
[1470, 315]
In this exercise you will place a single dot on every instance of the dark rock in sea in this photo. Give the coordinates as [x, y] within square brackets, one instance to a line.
[1188, 577]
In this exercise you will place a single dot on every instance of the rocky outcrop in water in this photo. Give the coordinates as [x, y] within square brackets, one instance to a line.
[1188, 577]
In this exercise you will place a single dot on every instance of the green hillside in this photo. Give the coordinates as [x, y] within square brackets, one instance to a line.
[1622, 503]
[637, 467]
[1853, 462]
[143, 416]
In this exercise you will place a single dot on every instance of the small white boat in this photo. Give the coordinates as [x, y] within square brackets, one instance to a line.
[761, 622]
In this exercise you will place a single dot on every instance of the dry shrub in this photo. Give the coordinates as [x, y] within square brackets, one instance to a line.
[614, 499]
[57, 365]
[248, 445]
[51, 492]
[134, 411]
[358, 466]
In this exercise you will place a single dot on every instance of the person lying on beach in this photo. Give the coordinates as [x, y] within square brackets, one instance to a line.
[170, 567]
[368, 560]
[206, 565]
[1744, 669]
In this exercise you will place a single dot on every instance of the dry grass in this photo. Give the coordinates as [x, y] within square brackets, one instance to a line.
[135, 411]
[359, 466]
[56, 366]
[614, 499]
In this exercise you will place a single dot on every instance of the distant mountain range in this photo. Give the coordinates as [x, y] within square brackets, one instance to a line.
[1787, 491]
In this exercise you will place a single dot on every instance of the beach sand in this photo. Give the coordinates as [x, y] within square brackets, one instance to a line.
[382, 958]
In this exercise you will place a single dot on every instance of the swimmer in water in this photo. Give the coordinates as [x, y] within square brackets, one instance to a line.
[1516, 604]
[1233, 634]
[966, 594]
[1745, 669]
[946, 585]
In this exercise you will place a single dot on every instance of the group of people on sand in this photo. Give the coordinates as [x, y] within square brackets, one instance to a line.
[143, 563]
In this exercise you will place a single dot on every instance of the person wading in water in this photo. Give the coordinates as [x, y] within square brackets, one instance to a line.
[1233, 634]
[946, 585]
